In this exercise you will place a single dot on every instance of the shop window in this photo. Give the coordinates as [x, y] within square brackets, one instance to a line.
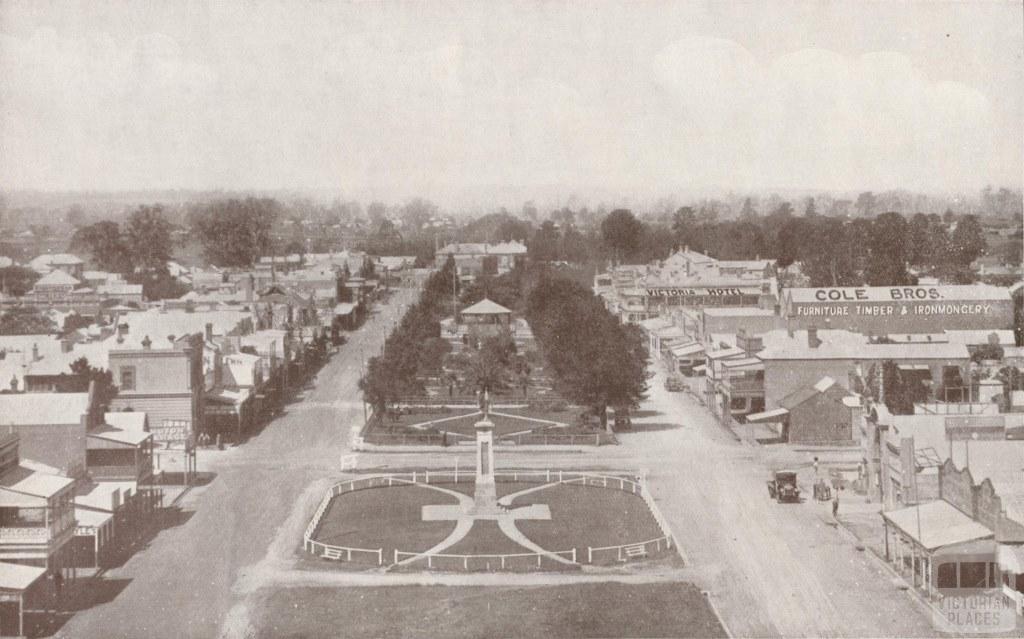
[973, 574]
[946, 577]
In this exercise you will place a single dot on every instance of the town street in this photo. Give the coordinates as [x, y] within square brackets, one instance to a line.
[181, 584]
[774, 570]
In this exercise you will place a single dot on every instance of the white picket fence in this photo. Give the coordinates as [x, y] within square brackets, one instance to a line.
[485, 561]
[634, 484]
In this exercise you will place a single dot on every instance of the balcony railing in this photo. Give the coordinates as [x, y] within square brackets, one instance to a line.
[32, 535]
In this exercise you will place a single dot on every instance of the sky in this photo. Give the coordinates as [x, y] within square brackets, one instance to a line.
[436, 99]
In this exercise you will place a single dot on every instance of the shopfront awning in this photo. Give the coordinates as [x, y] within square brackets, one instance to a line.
[127, 438]
[11, 499]
[226, 396]
[936, 524]
[669, 332]
[91, 519]
[745, 364]
[774, 415]
[684, 350]
[700, 369]
[18, 577]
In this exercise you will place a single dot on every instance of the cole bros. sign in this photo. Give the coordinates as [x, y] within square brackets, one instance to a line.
[906, 301]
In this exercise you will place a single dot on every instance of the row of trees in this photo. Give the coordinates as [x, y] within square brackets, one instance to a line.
[832, 251]
[596, 361]
[143, 242]
[414, 349]
[138, 249]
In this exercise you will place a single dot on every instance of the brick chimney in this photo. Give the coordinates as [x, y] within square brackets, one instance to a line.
[812, 337]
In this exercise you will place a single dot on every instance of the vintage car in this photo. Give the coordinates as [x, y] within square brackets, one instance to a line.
[783, 487]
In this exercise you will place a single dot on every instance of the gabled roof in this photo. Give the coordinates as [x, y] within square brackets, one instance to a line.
[57, 278]
[822, 386]
[486, 307]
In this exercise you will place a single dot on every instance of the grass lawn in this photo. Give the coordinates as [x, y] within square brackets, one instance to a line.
[582, 517]
[407, 419]
[579, 610]
[385, 518]
[485, 538]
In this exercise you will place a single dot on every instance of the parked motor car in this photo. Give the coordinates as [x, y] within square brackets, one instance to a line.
[783, 487]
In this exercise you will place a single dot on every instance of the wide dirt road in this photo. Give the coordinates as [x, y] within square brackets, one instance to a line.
[180, 586]
[774, 569]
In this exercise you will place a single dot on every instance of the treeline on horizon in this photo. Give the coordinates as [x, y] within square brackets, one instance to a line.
[833, 251]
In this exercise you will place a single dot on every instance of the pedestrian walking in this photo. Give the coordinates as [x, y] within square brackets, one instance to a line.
[835, 503]
[815, 467]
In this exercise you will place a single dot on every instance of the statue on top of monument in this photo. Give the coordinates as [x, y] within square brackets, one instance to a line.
[485, 403]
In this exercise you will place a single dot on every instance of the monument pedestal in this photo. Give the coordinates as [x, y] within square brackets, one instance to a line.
[485, 496]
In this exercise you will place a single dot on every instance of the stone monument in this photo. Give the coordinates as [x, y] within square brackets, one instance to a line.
[485, 497]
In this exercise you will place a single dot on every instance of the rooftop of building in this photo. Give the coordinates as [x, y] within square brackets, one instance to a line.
[160, 325]
[57, 278]
[781, 344]
[486, 307]
[24, 480]
[738, 311]
[18, 409]
[481, 248]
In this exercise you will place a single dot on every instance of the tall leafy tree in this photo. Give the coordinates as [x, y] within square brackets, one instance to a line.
[17, 280]
[235, 232]
[106, 245]
[689, 230]
[918, 240]
[544, 246]
[621, 232]
[148, 234]
[596, 361]
[887, 262]
[967, 242]
[831, 258]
